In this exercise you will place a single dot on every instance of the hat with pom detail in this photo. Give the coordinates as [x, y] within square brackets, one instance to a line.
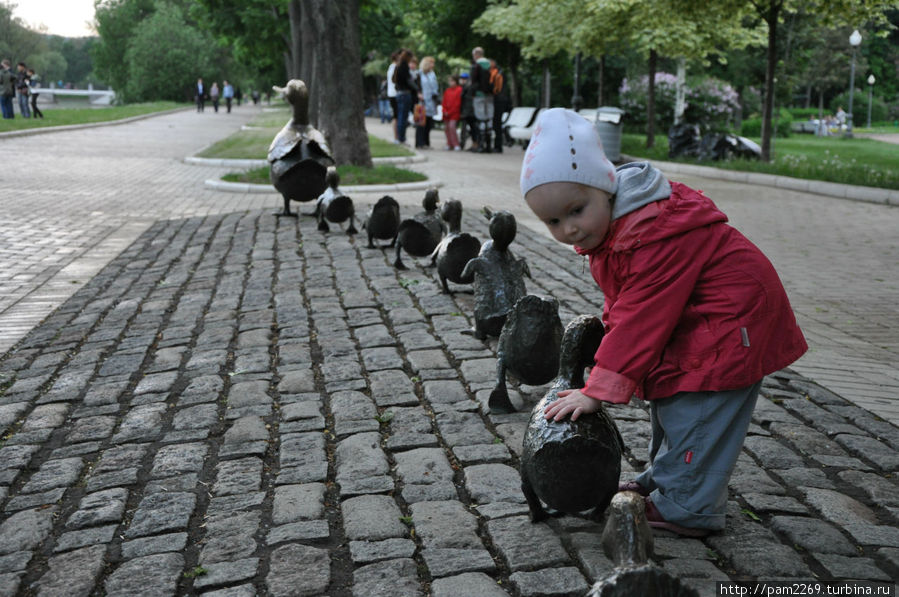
[565, 147]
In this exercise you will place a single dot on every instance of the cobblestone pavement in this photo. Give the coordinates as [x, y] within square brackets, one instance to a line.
[237, 405]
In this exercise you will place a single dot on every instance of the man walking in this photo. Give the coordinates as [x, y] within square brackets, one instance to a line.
[200, 91]
[483, 97]
[7, 89]
[228, 94]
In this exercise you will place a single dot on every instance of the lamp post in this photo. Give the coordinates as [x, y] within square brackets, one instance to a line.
[576, 99]
[854, 40]
[870, 97]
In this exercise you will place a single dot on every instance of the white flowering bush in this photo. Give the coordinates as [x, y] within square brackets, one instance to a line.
[710, 103]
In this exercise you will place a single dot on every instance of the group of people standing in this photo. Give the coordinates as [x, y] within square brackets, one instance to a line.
[20, 83]
[214, 94]
[478, 99]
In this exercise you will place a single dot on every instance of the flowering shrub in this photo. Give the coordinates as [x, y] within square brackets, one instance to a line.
[709, 102]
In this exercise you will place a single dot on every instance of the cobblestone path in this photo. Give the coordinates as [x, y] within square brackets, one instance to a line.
[242, 406]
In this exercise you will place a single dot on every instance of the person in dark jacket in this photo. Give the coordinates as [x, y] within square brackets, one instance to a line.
[22, 84]
[35, 82]
[694, 314]
[406, 90]
[7, 89]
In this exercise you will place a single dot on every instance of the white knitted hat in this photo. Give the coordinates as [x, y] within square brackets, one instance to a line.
[566, 148]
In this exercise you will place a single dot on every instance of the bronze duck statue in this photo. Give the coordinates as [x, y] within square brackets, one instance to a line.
[298, 156]
[333, 206]
[383, 221]
[420, 234]
[496, 275]
[456, 249]
[571, 466]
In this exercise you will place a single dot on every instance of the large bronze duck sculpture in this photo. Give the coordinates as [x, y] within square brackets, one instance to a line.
[456, 249]
[298, 156]
[420, 234]
[571, 466]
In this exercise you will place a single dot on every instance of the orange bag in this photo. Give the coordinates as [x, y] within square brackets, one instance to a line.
[418, 115]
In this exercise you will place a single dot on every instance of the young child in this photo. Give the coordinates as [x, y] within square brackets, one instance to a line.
[695, 315]
[452, 112]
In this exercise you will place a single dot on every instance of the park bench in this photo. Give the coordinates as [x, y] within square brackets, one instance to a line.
[520, 125]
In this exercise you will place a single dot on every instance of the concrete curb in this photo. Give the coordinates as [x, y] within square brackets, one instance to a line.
[254, 163]
[244, 187]
[87, 125]
[830, 189]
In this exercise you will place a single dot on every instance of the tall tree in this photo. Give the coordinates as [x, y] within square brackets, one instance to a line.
[115, 22]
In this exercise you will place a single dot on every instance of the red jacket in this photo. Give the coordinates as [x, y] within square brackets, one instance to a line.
[690, 304]
[452, 103]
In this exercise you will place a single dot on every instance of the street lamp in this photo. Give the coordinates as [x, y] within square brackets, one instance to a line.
[854, 40]
[870, 97]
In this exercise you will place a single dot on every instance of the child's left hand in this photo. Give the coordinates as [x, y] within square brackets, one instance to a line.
[571, 401]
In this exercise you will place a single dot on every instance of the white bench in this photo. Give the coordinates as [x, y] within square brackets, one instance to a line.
[522, 132]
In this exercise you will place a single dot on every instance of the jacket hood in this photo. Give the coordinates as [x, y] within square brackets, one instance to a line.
[639, 183]
[652, 220]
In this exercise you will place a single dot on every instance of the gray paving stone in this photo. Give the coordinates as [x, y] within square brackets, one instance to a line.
[26, 530]
[762, 502]
[293, 503]
[393, 578]
[234, 477]
[203, 388]
[445, 524]
[760, 557]
[91, 428]
[295, 411]
[551, 581]
[146, 576]
[515, 537]
[366, 552]
[361, 457]
[869, 448]
[488, 483]
[813, 535]
[141, 423]
[46, 416]
[161, 512]
[589, 554]
[372, 518]
[179, 459]
[307, 530]
[302, 458]
[463, 429]
[425, 470]
[446, 561]
[802, 476]
[392, 387]
[873, 534]
[298, 571]
[837, 507]
[855, 568]
[694, 569]
[156, 383]
[72, 574]
[380, 358]
[31, 500]
[54, 473]
[882, 492]
[771, 453]
[138, 548]
[374, 335]
[99, 508]
[471, 584]
[482, 453]
[202, 416]
[230, 538]
[223, 573]
[445, 392]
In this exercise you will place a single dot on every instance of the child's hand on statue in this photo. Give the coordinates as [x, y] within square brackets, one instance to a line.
[571, 402]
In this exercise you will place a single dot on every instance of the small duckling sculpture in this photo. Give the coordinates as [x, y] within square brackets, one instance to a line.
[420, 234]
[456, 249]
[497, 276]
[334, 206]
[528, 348]
[383, 221]
[627, 541]
[571, 466]
[298, 156]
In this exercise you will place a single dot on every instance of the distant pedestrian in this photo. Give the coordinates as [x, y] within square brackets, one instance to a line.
[385, 110]
[430, 92]
[469, 122]
[228, 94]
[35, 82]
[238, 95]
[22, 89]
[7, 89]
[502, 103]
[406, 90]
[214, 96]
[255, 95]
[483, 97]
[391, 88]
[200, 95]
[452, 112]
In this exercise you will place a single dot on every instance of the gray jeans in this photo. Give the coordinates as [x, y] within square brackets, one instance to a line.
[696, 439]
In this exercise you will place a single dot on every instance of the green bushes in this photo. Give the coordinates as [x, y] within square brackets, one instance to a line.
[860, 107]
[752, 127]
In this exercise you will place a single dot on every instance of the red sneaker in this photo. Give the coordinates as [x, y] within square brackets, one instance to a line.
[633, 486]
[655, 519]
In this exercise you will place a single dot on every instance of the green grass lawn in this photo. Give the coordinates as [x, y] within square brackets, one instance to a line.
[349, 175]
[59, 116]
[253, 144]
[854, 161]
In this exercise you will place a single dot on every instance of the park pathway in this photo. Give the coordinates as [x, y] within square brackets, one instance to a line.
[227, 404]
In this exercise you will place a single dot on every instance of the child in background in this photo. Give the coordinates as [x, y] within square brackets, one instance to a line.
[452, 112]
[695, 315]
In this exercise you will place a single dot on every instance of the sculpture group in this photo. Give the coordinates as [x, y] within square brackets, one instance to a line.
[570, 467]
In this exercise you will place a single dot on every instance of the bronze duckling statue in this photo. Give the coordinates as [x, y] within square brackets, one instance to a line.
[571, 466]
[497, 276]
[627, 541]
[334, 206]
[528, 348]
[420, 234]
[299, 156]
[456, 249]
[383, 221]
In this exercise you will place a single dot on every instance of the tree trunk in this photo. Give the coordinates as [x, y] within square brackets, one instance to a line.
[294, 15]
[680, 91]
[651, 102]
[600, 92]
[336, 93]
[768, 107]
